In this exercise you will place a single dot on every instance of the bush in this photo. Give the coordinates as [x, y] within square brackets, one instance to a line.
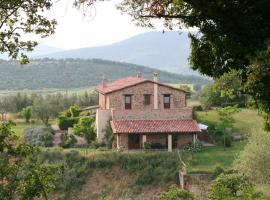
[197, 108]
[175, 193]
[85, 128]
[38, 136]
[194, 147]
[109, 135]
[233, 186]
[74, 111]
[67, 141]
[227, 140]
[66, 122]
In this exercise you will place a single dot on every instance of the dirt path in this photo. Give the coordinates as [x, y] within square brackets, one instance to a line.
[57, 135]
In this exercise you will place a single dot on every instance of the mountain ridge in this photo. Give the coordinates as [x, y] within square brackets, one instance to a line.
[167, 51]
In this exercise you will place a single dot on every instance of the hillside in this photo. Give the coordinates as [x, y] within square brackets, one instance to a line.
[76, 73]
[166, 51]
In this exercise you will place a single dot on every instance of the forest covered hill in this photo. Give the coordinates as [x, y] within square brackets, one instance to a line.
[77, 73]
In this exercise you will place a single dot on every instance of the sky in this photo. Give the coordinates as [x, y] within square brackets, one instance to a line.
[76, 31]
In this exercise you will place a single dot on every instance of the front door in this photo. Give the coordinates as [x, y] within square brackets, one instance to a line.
[133, 141]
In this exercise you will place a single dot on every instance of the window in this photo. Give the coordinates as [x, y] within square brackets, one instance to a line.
[127, 101]
[166, 101]
[147, 99]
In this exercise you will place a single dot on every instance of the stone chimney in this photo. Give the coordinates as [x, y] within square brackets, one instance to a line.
[139, 74]
[155, 79]
[103, 81]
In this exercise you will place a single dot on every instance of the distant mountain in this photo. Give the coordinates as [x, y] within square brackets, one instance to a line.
[38, 51]
[77, 73]
[167, 51]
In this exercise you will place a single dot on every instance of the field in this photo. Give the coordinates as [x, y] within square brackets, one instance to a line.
[216, 156]
[246, 121]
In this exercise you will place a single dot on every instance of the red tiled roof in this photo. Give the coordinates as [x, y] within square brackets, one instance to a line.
[127, 82]
[155, 126]
[120, 84]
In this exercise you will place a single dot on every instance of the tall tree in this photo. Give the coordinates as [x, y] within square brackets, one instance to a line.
[20, 18]
[232, 35]
[20, 176]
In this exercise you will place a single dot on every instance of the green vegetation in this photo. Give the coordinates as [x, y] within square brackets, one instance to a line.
[38, 136]
[86, 128]
[144, 169]
[13, 26]
[246, 121]
[233, 186]
[214, 156]
[21, 177]
[77, 73]
[175, 193]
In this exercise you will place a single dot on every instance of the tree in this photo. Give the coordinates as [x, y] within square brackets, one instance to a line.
[226, 90]
[20, 176]
[254, 160]
[47, 107]
[26, 113]
[22, 17]
[186, 88]
[234, 187]
[233, 35]
[85, 128]
[226, 121]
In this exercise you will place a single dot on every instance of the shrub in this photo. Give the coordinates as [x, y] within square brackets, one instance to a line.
[38, 136]
[227, 140]
[74, 111]
[175, 193]
[67, 141]
[109, 135]
[65, 122]
[26, 113]
[194, 147]
[85, 128]
[197, 108]
[233, 186]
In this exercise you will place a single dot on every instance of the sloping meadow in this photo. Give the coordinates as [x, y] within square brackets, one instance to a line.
[112, 175]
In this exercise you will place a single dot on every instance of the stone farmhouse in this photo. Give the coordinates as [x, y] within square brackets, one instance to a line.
[144, 112]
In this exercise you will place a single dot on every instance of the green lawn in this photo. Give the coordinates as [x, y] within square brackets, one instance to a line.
[247, 120]
[211, 157]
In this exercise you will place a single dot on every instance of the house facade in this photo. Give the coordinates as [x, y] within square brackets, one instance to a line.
[144, 112]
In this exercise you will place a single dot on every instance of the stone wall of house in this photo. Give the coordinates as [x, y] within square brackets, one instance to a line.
[102, 118]
[157, 138]
[181, 113]
[184, 139]
[101, 101]
[116, 99]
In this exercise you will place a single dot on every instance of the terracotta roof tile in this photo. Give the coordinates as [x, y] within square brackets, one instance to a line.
[120, 84]
[155, 126]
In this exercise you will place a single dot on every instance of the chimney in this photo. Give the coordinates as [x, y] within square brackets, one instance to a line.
[139, 74]
[103, 81]
[155, 79]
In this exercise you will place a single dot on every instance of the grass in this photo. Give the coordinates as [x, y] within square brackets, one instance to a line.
[20, 126]
[211, 157]
[246, 120]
